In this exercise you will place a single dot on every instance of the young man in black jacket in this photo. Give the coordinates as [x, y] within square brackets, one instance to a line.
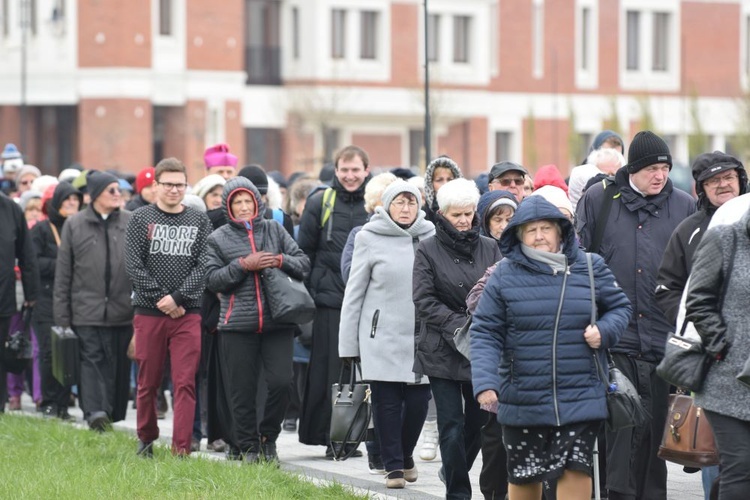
[328, 218]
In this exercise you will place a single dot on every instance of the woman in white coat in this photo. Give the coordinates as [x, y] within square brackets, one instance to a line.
[378, 324]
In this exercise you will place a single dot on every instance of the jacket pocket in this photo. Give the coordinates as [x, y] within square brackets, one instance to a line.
[374, 327]
[512, 365]
[229, 309]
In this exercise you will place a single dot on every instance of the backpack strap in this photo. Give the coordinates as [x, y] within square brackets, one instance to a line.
[610, 193]
[278, 215]
[329, 199]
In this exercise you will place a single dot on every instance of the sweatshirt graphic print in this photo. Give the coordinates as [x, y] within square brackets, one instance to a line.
[166, 255]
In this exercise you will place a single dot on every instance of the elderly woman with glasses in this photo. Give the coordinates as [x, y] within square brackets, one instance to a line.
[378, 325]
[445, 268]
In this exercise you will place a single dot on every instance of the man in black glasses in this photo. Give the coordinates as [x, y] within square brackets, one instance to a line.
[508, 176]
[92, 295]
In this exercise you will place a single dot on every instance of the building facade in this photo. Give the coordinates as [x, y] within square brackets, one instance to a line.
[115, 84]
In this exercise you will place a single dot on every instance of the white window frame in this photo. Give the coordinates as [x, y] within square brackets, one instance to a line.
[588, 77]
[537, 39]
[645, 77]
[744, 61]
[445, 70]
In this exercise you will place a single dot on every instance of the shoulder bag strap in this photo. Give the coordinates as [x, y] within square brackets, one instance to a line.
[55, 233]
[610, 190]
[592, 287]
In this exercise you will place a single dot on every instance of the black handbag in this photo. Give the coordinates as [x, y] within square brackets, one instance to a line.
[685, 363]
[287, 298]
[350, 415]
[66, 360]
[17, 351]
[624, 405]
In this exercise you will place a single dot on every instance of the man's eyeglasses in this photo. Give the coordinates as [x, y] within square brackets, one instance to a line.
[506, 182]
[170, 186]
[114, 191]
[716, 181]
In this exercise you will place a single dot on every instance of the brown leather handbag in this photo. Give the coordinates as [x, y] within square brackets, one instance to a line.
[688, 439]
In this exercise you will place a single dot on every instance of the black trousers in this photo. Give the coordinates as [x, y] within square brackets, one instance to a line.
[733, 440]
[400, 411]
[242, 355]
[105, 369]
[634, 472]
[295, 391]
[53, 393]
[323, 370]
[493, 479]
[4, 327]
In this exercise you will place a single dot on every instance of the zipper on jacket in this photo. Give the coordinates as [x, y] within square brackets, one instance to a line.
[229, 309]
[554, 349]
[251, 237]
[374, 328]
[107, 269]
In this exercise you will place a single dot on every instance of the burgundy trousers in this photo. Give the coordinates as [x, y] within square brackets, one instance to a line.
[153, 336]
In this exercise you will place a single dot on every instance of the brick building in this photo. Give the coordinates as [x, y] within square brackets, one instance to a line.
[121, 84]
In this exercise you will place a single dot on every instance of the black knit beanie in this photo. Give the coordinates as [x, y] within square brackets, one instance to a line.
[646, 149]
[256, 175]
[97, 182]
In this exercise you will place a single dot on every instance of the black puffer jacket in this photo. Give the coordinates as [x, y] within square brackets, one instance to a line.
[45, 246]
[324, 245]
[446, 267]
[243, 303]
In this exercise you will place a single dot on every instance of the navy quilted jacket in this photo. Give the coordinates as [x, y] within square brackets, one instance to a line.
[527, 339]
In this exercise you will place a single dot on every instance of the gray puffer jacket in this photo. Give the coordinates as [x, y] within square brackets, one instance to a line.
[243, 302]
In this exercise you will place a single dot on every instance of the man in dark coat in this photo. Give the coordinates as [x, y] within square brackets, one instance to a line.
[719, 177]
[92, 295]
[643, 212]
[328, 218]
[15, 246]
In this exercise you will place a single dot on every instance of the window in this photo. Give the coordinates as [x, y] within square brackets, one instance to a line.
[585, 35]
[330, 143]
[502, 146]
[461, 30]
[295, 33]
[368, 44]
[263, 42]
[264, 147]
[165, 17]
[433, 38]
[633, 43]
[538, 39]
[416, 145]
[31, 16]
[661, 42]
[338, 34]
[6, 21]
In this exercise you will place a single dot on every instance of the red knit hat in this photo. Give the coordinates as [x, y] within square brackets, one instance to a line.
[144, 179]
[549, 175]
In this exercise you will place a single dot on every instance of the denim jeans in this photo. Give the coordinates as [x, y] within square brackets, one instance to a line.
[459, 422]
[400, 410]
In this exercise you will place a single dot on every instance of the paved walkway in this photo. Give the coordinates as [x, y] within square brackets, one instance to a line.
[309, 461]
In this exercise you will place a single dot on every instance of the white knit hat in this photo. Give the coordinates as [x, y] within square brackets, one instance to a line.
[556, 196]
[205, 185]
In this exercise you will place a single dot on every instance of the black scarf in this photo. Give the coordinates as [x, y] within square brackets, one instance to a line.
[463, 243]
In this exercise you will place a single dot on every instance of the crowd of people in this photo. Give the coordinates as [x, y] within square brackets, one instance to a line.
[551, 274]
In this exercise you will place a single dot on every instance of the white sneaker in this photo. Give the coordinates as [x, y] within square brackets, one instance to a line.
[428, 451]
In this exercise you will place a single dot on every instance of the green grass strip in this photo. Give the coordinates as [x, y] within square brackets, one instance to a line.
[50, 459]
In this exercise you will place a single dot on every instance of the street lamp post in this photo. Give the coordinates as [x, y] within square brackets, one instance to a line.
[427, 131]
[24, 25]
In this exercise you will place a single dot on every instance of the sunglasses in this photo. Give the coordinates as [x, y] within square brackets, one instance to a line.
[518, 181]
[114, 191]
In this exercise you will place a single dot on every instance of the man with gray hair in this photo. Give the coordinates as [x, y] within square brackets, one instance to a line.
[600, 163]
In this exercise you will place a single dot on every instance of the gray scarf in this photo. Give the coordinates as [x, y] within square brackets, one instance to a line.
[557, 261]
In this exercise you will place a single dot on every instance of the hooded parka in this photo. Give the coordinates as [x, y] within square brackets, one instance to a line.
[243, 304]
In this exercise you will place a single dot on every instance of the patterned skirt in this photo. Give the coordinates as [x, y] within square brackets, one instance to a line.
[538, 454]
